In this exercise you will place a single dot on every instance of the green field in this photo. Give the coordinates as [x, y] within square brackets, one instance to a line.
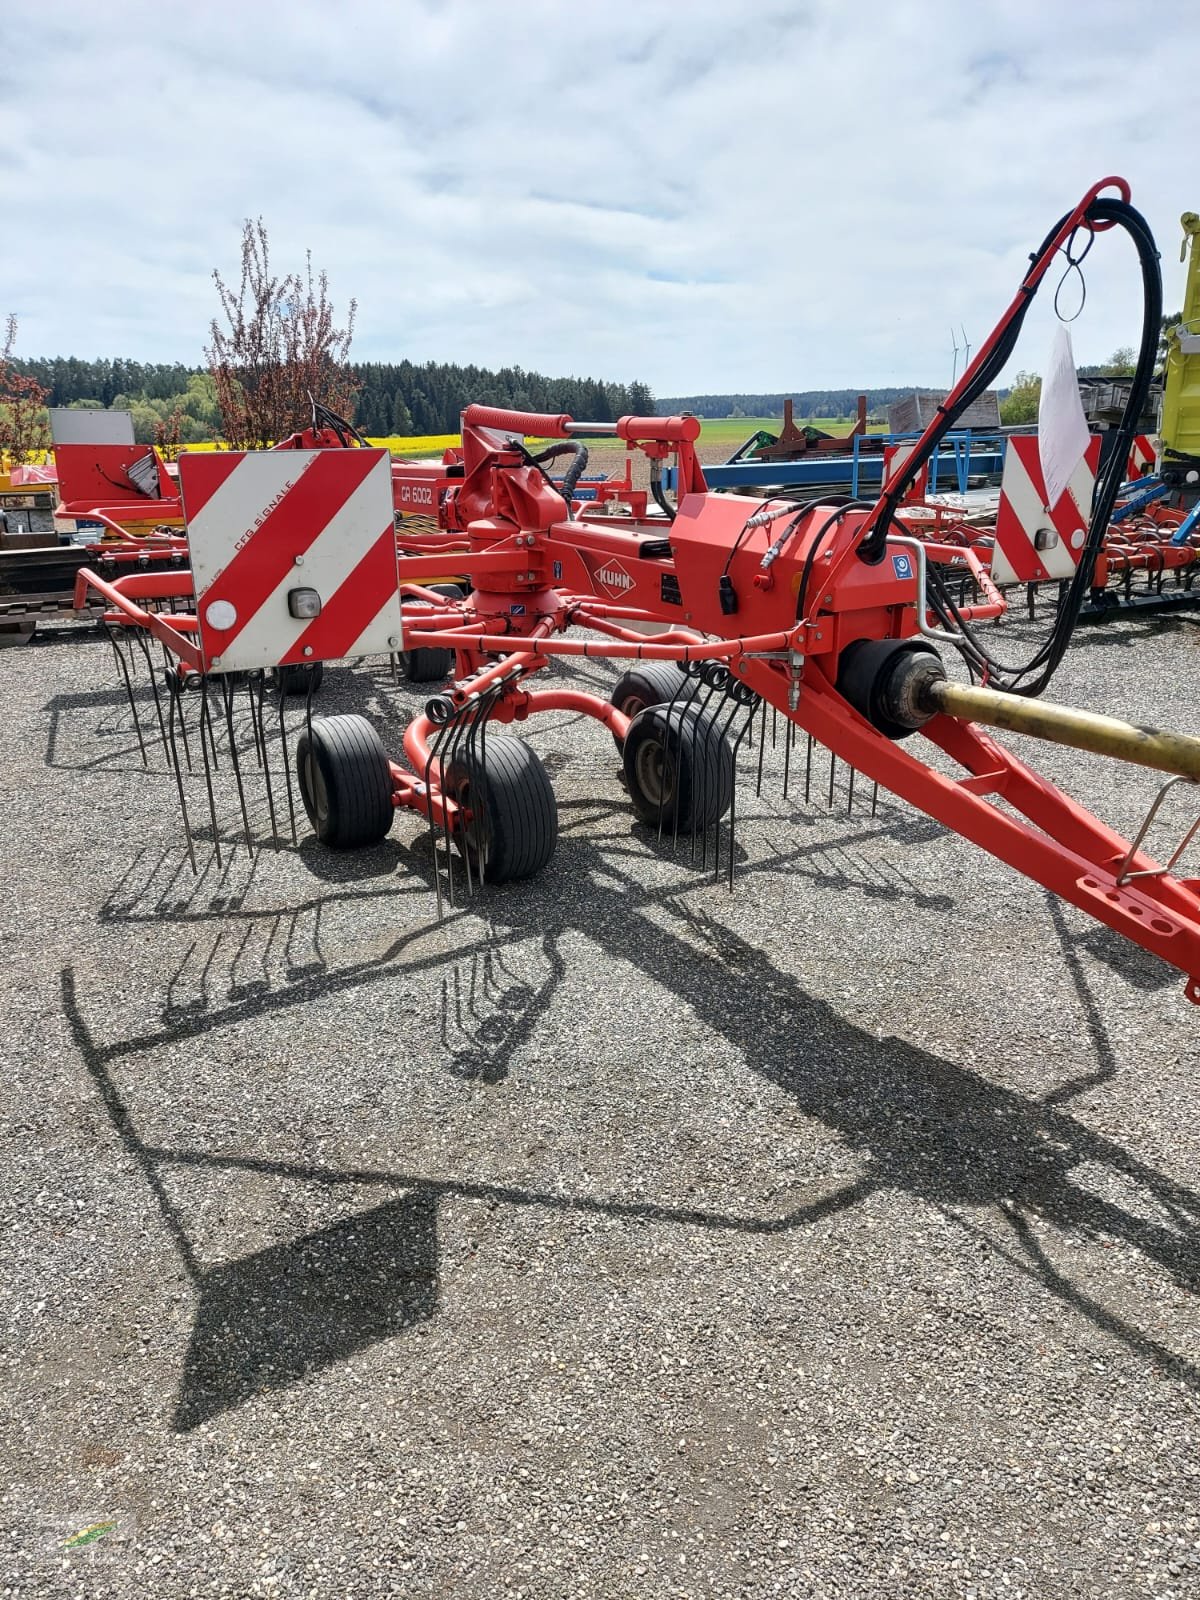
[732, 430]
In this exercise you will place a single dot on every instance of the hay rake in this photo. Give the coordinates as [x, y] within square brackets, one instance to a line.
[822, 611]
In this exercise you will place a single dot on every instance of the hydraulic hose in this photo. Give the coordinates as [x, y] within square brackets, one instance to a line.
[1031, 677]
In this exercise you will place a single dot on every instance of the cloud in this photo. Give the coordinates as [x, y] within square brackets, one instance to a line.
[710, 198]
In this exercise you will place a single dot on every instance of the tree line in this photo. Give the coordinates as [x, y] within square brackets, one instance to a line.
[402, 397]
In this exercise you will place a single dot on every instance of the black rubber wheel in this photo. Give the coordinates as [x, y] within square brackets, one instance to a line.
[301, 677]
[512, 817]
[432, 666]
[678, 768]
[345, 783]
[650, 683]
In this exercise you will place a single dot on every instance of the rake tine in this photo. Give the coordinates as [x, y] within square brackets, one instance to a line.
[174, 676]
[452, 735]
[470, 836]
[850, 794]
[395, 669]
[287, 765]
[227, 697]
[162, 728]
[254, 727]
[732, 691]
[187, 827]
[674, 715]
[261, 730]
[787, 757]
[747, 727]
[208, 770]
[874, 799]
[455, 732]
[434, 744]
[762, 747]
[808, 770]
[206, 723]
[832, 771]
[711, 733]
[120, 655]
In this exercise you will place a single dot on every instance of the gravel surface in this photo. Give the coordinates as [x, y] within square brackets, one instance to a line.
[614, 1236]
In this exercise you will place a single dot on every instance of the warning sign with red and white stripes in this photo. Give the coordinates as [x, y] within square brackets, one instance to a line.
[894, 458]
[1141, 457]
[1036, 542]
[293, 554]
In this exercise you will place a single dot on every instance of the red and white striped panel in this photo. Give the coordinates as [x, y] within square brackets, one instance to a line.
[1141, 457]
[1034, 542]
[262, 524]
[894, 457]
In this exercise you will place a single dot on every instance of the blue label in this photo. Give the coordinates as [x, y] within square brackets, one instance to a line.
[558, 572]
[902, 566]
[516, 611]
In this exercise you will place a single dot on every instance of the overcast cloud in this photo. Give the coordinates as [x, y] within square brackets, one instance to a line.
[711, 197]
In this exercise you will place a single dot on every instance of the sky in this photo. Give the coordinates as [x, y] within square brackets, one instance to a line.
[712, 198]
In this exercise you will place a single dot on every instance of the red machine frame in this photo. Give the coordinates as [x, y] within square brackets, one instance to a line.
[722, 585]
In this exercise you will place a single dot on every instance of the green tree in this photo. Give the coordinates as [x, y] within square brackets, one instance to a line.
[1020, 404]
[1120, 364]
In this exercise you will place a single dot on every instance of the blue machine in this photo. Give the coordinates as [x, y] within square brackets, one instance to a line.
[960, 457]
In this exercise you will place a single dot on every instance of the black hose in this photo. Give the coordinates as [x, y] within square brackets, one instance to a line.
[1033, 676]
[656, 489]
[574, 472]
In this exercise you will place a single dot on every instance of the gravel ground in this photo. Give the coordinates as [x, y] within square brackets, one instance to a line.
[612, 1236]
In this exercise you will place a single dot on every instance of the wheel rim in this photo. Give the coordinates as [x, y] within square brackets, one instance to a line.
[474, 835]
[654, 774]
[318, 794]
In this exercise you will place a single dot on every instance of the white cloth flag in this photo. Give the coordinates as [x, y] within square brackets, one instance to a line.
[1062, 426]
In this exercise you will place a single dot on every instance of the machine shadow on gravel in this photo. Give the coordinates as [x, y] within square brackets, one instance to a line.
[921, 1123]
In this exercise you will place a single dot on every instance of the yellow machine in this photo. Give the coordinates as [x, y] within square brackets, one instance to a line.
[1179, 459]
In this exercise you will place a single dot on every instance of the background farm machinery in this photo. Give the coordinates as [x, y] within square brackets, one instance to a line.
[828, 611]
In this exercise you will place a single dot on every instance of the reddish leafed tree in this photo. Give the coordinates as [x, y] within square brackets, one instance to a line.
[279, 342]
[24, 426]
[166, 435]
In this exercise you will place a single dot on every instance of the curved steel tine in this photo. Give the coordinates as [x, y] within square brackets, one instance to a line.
[469, 833]
[254, 727]
[183, 810]
[808, 770]
[788, 740]
[262, 734]
[208, 770]
[850, 794]
[283, 756]
[206, 722]
[426, 776]
[143, 643]
[874, 798]
[227, 696]
[120, 655]
[762, 747]
[674, 715]
[751, 712]
[832, 772]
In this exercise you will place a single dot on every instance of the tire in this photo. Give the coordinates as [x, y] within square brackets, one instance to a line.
[345, 783]
[678, 768]
[432, 666]
[300, 677]
[649, 683]
[513, 817]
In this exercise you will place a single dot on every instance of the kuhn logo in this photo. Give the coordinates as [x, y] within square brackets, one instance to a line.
[614, 578]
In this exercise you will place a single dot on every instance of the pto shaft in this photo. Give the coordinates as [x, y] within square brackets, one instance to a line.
[1084, 730]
